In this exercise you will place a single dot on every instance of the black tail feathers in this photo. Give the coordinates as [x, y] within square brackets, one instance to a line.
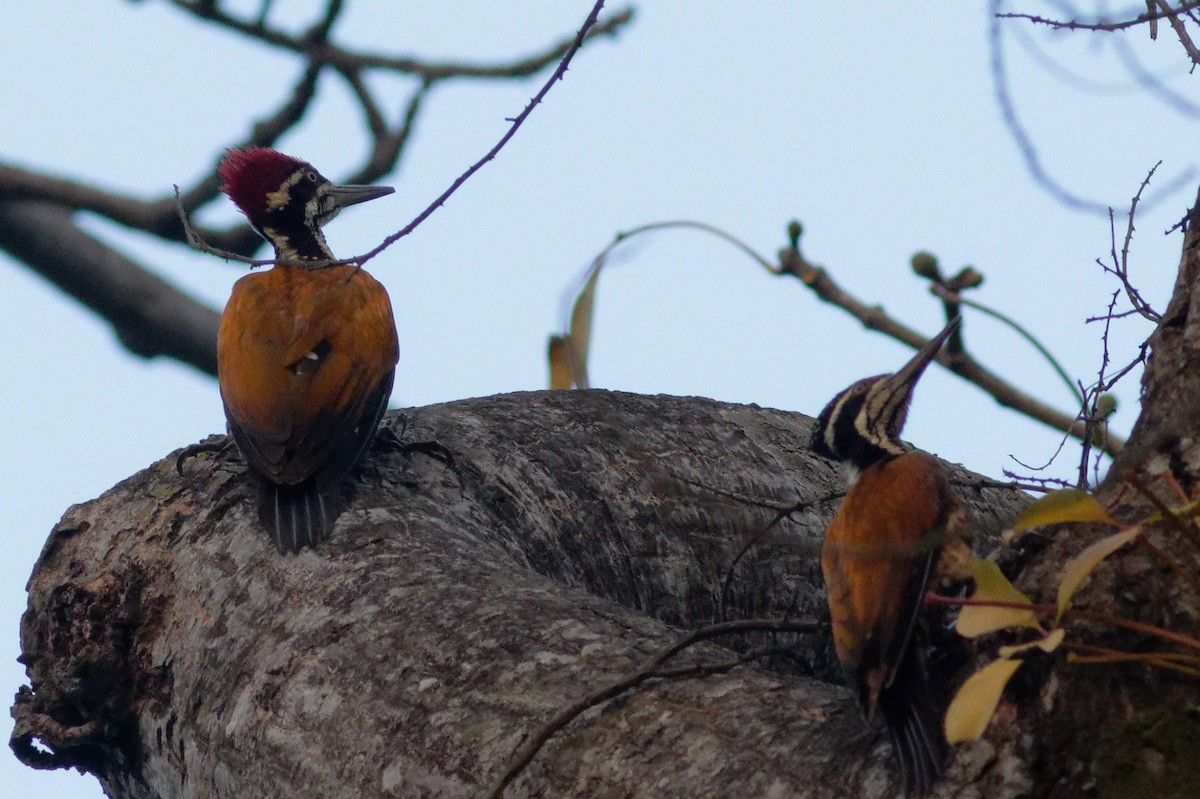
[297, 516]
[915, 728]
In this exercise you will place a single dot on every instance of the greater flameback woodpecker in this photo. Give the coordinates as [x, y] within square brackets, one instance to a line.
[880, 554]
[306, 351]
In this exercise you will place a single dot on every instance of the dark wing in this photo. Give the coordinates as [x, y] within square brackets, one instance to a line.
[306, 360]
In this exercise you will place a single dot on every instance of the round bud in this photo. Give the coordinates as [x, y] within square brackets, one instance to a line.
[925, 264]
[794, 231]
[967, 278]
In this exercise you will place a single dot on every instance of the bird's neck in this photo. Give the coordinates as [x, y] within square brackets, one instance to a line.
[303, 245]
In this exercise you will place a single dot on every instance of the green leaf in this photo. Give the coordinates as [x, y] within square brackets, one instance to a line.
[992, 586]
[1080, 566]
[1067, 505]
[975, 703]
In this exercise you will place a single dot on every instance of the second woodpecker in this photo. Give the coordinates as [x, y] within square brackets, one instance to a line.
[306, 351]
[880, 554]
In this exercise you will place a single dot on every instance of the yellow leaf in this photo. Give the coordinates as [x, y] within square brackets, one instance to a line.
[1080, 566]
[560, 363]
[975, 703]
[1068, 505]
[1046, 643]
[992, 586]
[579, 335]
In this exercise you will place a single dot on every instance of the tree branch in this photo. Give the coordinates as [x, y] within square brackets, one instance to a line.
[150, 317]
[322, 52]
[960, 362]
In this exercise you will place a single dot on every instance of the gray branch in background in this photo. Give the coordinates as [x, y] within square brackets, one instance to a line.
[149, 315]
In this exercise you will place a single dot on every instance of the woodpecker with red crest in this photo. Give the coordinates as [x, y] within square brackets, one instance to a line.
[880, 554]
[306, 351]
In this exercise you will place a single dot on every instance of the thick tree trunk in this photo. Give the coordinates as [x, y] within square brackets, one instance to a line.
[458, 607]
[1127, 730]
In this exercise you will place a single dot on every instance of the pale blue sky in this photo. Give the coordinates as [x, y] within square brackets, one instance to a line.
[878, 129]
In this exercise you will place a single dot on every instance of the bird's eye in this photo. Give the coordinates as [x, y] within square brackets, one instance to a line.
[312, 176]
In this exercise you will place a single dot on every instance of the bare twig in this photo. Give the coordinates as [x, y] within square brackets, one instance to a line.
[1184, 528]
[322, 52]
[1121, 264]
[961, 363]
[1016, 327]
[1043, 484]
[159, 217]
[1012, 485]
[1152, 84]
[755, 537]
[693, 225]
[652, 670]
[1098, 25]
[514, 126]
[1172, 17]
[1008, 113]
[1174, 637]
[1062, 442]
[1092, 417]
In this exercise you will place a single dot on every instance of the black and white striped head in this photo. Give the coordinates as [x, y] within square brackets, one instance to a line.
[288, 201]
[862, 425]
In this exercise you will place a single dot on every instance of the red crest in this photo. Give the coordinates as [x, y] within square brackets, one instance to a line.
[248, 176]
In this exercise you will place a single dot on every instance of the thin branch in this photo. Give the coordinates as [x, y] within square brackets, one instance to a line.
[1122, 265]
[961, 363]
[936, 600]
[1049, 461]
[757, 536]
[941, 292]
[325, 53]
[1119, 655]
[1150, 659]
[1013, 485]
[386, 152]
[514, 126]
[1172, 17]
[1188, 531]
[1098, 25]
[319, 33]
[371, 113]
[158, 217]
[1020, 136]
[1046, 483]
[1150, 83]
[1092, 417]
[651, 670]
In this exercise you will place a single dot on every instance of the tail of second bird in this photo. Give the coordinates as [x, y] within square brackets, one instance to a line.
[914, 725]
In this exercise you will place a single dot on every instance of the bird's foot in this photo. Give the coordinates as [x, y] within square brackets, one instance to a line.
[216, 444]
[389, 441]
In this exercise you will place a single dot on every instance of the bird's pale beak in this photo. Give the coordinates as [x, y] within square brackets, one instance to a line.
[353, 195]
[907, 375]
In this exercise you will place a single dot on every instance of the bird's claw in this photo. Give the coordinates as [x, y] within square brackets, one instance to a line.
[218, 444]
